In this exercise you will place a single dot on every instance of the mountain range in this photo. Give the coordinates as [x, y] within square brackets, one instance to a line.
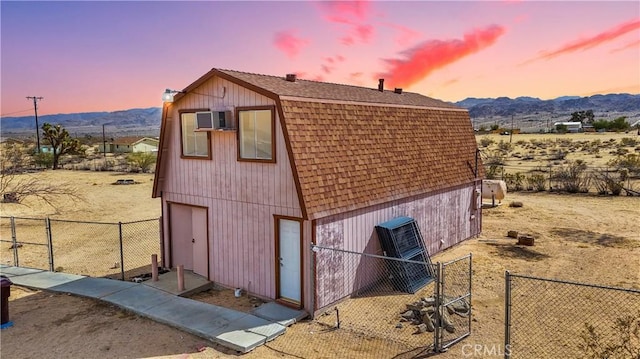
[147, 121]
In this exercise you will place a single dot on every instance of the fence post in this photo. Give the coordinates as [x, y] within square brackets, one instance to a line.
[47, 224]
[121, 251]
[436, 332]
[470, 292]
[507, 315]
[14, 241]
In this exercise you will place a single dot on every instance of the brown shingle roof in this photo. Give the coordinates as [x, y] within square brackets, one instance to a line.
[279, 86]
[351, 156]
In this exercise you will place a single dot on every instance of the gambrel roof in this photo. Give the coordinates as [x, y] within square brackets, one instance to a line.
[352, 147]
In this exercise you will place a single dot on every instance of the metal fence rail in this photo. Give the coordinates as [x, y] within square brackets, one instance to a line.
[548, 318]
[117, 250]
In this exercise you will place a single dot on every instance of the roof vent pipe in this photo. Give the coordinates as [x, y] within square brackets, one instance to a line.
[397, 90]
[291, 77]
[381, 85]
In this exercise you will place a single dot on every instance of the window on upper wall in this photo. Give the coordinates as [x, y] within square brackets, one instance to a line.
[256, 127]
[194, 144]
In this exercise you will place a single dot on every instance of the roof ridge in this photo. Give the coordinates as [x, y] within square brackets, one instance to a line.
[316, 81]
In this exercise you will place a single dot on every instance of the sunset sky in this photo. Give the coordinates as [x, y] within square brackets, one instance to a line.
[108, 56]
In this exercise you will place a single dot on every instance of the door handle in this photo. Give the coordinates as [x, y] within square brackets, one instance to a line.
[193, 240]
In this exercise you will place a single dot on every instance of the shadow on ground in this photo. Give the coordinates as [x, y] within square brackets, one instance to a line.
[590, 237]
[514, 251]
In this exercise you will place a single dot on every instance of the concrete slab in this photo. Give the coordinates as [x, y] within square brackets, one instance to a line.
[138, 298]
[256, 325]
[278, 313]
[168, 282]
[44, 280]
[93, 287]
[198, 318]
[14, 271]
[240, 340]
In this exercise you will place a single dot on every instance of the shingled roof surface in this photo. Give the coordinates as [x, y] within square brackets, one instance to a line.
[353, 156]
[330, 91]
[354, 147]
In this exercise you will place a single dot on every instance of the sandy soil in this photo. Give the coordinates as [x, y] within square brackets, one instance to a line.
[581, 237]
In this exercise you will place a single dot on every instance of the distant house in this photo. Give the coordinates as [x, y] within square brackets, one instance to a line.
[572, 127]
[254, 169]
[130, 144]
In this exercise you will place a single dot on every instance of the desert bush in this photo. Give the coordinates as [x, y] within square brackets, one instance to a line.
[504, 146]
[492, 172]
[141, 161]
[628, 141]
[536, 182]
[607, 182]
[43, 159]
[572, 177]
[625, 343]
[630, 161]
[557, 155]
[514, 181]
[495, 157]
[486, 141]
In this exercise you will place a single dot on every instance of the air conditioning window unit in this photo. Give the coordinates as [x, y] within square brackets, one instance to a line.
[214, 120]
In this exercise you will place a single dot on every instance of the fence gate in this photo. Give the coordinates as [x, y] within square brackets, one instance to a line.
[453, 296]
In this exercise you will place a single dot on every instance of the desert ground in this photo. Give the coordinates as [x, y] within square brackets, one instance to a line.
[579, 237]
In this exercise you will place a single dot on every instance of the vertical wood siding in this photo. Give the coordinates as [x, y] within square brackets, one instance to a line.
[445, 219]
[242, 197]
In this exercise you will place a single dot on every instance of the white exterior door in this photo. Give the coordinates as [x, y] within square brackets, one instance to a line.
[289, 260]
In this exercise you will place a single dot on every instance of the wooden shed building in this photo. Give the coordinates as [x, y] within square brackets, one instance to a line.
[254, 169]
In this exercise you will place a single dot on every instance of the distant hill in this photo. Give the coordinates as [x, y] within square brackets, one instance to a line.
[89, 122]
[529, 112]
[504, 106]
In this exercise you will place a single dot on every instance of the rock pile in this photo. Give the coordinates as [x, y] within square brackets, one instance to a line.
[423, 314]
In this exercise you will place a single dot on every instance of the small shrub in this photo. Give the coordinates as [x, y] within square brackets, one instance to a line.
[572, 178]
[514, 181]
[536, 182]
[486, 141]
[504, 146]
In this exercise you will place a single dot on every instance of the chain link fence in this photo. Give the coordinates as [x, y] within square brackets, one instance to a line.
[547, 318]
[116, 250]
[395, 305]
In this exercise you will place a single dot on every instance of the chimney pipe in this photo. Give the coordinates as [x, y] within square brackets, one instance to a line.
[381, 85]
[291, 77]
[397, 90]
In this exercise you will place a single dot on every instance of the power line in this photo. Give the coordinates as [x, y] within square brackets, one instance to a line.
[11, 113]
[35, 109]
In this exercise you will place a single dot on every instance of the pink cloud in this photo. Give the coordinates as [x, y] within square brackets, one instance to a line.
[352, 16]
[364, 32]
[347, 40]
[405, 34]
[631, 45]
[356, 78]
[289, 43]
[430, 55]
[334, 60]
[326, 69]
[342, 11]
[593, 41]
[319, 78]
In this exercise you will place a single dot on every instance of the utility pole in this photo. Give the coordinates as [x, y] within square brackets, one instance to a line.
[511, 132]
[104, 144]
[35, 109]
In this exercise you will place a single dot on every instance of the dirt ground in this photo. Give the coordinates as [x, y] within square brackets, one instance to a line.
[582, 237]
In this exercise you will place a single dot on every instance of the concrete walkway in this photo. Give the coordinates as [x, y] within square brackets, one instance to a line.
[230, 328]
